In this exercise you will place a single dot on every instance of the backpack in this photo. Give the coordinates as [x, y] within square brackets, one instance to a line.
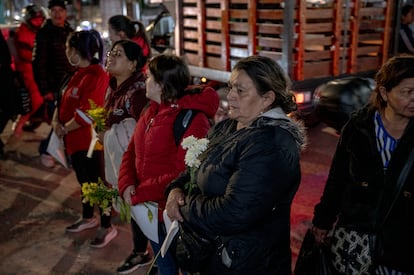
[181, 123]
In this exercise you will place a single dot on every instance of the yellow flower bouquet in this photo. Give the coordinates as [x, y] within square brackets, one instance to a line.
[97, 193]
[98, 114]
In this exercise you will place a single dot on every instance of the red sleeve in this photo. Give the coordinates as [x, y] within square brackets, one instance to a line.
[153, 189]
[92, 88]
[127, 171]
[128, 174]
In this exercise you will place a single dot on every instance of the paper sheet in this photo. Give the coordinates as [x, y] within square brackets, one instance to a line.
[57, 150]
[140, 214]
[93, 143]
[172, 229]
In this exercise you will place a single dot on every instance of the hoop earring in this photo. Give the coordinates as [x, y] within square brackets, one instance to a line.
[74, 63]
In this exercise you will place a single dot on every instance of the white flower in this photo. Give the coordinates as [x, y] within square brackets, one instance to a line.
[194, 148]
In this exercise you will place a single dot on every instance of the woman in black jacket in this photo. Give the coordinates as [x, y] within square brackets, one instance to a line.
[248, 176]
[7, 105]
[369, 158]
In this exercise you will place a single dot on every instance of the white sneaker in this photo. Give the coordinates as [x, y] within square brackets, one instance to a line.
[47, 160]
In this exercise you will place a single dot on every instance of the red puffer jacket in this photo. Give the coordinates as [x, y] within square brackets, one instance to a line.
[24, 42]
[86, 84]
[152, 159]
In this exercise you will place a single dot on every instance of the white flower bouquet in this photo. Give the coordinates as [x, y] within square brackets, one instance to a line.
[194, 147]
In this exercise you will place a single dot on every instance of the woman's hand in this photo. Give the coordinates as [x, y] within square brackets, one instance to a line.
[128, 193]
[175, 200]
[320, 234]
[101, 136]
[59, 129]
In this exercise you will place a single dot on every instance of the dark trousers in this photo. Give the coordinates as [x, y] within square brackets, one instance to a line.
[89, 170]
[140, 240]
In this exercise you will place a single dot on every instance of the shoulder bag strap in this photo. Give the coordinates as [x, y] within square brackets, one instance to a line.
[400, 183]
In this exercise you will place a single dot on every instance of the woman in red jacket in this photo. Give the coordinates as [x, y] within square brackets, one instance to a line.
[24, 39]
[122, 27]
[153, 159]
[84, 49]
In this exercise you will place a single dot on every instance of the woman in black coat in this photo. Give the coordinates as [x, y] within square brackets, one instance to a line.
[248, 175]
[372, 150]
[7, 103]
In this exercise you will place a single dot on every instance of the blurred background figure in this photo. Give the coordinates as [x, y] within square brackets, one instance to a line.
[50, 65]
[223, 109]
[123, 27]
[6, 94]
[24, 40]
[406, 38]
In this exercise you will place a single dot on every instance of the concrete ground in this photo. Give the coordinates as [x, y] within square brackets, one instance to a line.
[36, 205]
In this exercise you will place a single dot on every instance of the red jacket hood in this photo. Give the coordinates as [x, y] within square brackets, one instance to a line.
[206, 101]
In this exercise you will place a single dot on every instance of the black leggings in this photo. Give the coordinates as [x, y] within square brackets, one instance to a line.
[140, 240]
[89, 170]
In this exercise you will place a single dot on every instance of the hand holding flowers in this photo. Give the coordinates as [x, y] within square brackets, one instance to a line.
[97, 193]
[194, 147]
[98, 114]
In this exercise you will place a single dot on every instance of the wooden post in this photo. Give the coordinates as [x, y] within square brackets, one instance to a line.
[354, 34]
[179, 18]
[287, 34]
[201, 19]
[225, 34]
[300, 40]
[388, 23]
[336, 40]
[252, 20]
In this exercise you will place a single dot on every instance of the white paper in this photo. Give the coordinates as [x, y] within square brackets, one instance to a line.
[139, 213]
[57, 150]
[172, 229]
[93, 143]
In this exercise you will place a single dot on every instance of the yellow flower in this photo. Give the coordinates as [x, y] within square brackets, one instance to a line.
[98, 114]
[102, 196]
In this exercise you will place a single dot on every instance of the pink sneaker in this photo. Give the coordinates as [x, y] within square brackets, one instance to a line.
[104, 236]
[47, 160]
[82, 225]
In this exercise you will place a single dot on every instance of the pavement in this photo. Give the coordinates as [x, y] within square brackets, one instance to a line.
[38, 203]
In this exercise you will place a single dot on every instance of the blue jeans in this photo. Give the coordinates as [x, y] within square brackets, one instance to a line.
[166, 265]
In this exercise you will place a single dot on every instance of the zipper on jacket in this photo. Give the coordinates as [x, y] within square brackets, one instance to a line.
[149, 125]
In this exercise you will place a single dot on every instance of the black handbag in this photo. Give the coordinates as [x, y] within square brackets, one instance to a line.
[192, 251]
[352, 250]
[313, 258]
[357, 252]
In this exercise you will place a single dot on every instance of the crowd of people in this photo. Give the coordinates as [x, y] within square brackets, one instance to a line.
[249, 172]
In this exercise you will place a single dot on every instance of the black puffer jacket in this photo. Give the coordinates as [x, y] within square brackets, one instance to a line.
[50, 63]
[248, 179]
[356, 183]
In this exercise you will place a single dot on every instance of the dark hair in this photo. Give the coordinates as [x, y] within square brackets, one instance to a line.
[392, 72]
[406, 9]
[32, 11]
[267, 75]
[133, 52]
[172, 73]
[59, 3]
[88, 44]
[128, 26]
